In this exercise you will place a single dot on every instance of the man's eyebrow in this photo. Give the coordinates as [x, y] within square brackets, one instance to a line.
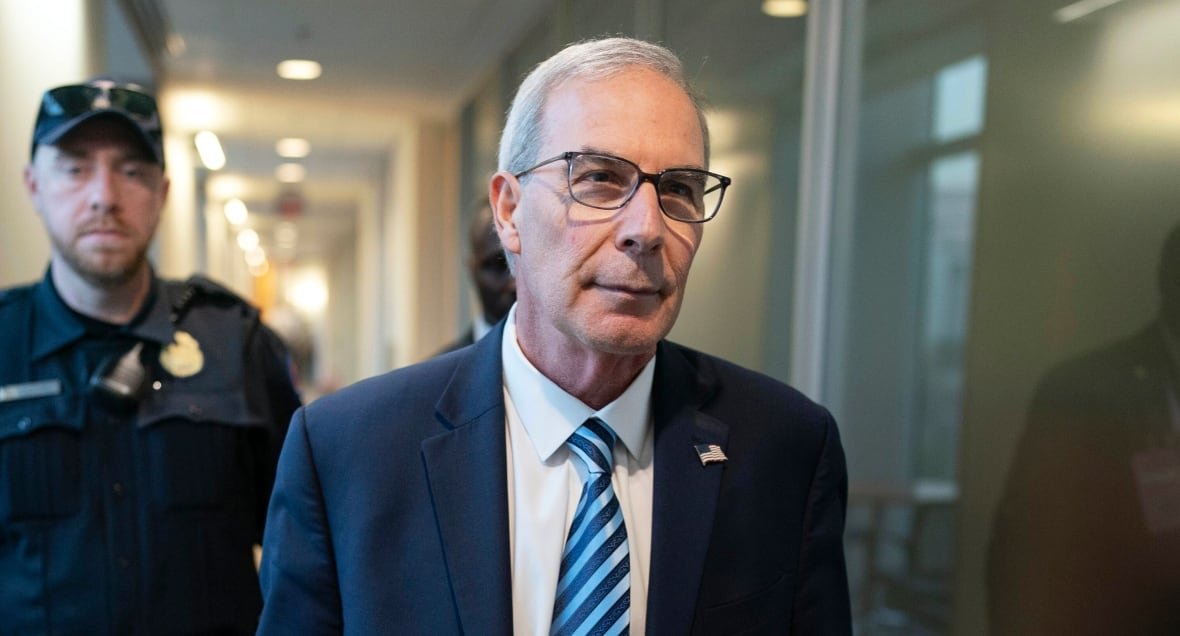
[600, 151]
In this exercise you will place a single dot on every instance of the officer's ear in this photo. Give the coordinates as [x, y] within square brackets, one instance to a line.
[30, 175]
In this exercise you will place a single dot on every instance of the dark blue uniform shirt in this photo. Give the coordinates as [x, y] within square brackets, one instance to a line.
[136, 515]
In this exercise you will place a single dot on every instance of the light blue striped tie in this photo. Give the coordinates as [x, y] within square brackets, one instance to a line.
[594, 586]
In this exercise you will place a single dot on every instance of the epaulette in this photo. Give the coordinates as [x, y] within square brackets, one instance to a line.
[200, 287]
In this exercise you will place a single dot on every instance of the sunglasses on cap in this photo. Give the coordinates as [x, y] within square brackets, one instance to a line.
[64, 107]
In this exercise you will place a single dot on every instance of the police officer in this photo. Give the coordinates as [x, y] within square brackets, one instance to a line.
[140, 418]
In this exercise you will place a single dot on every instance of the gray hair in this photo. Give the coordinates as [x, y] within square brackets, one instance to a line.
[588, 60]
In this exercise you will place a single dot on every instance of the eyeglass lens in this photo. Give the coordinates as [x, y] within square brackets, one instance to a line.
[607, 183]
[75, 100]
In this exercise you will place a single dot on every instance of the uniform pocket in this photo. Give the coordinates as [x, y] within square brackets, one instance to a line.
[199, 448]
[40, 458]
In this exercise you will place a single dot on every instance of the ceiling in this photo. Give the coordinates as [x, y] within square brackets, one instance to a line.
[384, 64]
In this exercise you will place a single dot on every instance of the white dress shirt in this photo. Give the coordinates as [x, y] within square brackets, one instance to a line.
[546, 480]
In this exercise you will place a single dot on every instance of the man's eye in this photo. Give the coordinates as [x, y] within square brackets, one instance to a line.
[600, 176]
[680, 188]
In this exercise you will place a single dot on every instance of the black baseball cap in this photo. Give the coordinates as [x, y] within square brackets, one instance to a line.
[64, 107]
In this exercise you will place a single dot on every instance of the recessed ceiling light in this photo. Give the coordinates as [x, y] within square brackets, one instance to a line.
[209, 150]
[290, 173]
[293, 147]
[299, 69]
[784, 8]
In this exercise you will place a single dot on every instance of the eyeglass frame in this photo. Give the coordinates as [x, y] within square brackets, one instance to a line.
[569, 156]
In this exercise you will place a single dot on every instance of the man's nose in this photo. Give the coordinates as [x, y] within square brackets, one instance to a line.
[641, 221]
[103, 191]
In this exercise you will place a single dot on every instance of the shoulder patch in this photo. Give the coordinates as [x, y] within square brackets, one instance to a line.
[208, 286]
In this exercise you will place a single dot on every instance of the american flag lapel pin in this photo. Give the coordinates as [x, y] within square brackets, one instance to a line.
[710, 454]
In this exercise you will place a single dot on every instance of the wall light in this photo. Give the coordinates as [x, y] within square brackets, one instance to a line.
[247, 239]
[235, 212]
[209, 150]
[255, 257]
[299, 69]
[293, 147]
[784, 8]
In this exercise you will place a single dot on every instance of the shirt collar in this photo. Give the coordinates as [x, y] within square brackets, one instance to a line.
[54, 325]
[550, 415]
[57, 326]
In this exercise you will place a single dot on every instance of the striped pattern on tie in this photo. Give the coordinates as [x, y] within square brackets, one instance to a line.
[594, 586]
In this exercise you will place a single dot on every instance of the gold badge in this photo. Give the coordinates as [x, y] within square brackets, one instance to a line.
[182, 358]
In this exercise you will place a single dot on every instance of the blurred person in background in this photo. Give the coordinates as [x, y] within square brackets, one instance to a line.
[1086, 538]
[140, 418]
[488, 268]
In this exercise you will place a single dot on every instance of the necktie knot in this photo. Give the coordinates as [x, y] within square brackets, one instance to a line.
[594, 444]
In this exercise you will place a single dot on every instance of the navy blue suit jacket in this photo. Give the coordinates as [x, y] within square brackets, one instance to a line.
[390, 508]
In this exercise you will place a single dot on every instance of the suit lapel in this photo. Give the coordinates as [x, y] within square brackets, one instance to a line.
[467, 472]
[685, 492]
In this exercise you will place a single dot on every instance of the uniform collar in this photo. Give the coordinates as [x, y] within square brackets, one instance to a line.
[56, 326]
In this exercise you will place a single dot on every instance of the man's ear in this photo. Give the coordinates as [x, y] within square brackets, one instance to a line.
[504, 195]
[30, 180]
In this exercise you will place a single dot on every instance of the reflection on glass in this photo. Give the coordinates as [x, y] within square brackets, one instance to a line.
[1087, 534]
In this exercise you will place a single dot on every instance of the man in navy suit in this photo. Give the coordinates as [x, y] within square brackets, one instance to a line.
[697, 497]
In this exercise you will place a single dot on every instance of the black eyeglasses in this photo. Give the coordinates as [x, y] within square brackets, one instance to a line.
[606, 182]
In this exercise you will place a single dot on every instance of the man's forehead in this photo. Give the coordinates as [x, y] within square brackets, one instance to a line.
[595, 114]
[102, 132]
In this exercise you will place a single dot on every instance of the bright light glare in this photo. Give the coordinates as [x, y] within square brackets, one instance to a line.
[308, 291]
[293, 147]
[235, 212]
[209, 149]
[299, 69]
[247, 239]
[1080, 9]
[784, 8]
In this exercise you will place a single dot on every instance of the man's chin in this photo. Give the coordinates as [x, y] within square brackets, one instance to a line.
[626, 335]
[106, 272]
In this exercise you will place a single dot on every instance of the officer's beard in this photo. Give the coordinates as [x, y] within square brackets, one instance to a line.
[104, 272]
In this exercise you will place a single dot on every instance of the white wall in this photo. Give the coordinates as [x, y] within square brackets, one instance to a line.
[42, 44]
